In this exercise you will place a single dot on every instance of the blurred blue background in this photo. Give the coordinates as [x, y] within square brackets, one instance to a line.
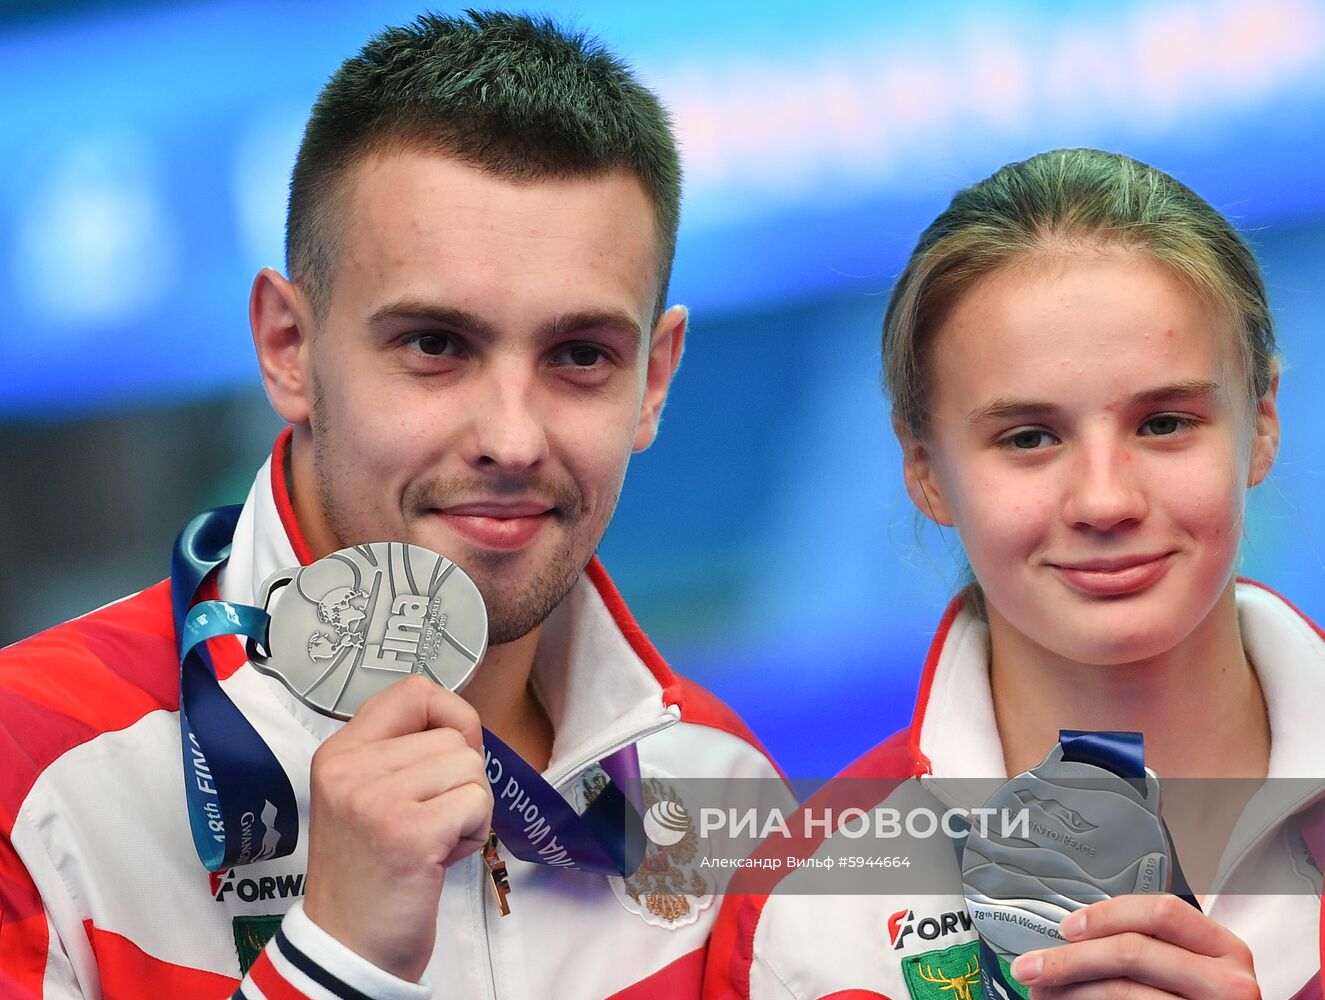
[765, 542]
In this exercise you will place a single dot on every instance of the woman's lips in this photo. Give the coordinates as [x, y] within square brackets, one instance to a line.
[1114, 577]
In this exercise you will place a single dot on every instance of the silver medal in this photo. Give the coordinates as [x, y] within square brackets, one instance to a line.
[358, 620]
[1090, 835]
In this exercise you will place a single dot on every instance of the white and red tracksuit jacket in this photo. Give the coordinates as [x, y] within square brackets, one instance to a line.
[101, 892]
[775, 943]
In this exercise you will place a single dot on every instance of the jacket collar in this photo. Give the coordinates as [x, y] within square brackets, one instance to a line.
[599, 678]
[953, 733]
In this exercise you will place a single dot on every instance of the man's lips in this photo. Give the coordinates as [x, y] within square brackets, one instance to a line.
[1115, 576]
[504, 526]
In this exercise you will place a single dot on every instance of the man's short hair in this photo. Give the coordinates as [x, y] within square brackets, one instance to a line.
[516, 96]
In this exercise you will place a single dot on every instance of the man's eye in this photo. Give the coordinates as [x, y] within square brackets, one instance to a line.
[581, 356]
[435, 344]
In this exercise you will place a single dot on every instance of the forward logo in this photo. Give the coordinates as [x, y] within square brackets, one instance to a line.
[253, 890]
[903, 924]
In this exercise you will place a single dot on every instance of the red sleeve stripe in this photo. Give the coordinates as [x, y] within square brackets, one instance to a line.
[273, 985]
[92, 674]
[297, 967]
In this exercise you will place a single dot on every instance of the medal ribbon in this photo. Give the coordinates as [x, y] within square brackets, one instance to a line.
[242, 807]
[1121, 753]
[536, 824]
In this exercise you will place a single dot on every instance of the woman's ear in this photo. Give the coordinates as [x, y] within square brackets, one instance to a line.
[921, 482]
[1265, 445]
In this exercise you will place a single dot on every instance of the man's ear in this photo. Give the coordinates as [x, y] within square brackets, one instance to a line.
[665, 349]
[921, 482]
[281, 321]
[1265, 445]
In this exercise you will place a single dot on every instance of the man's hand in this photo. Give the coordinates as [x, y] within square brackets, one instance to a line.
[1149, 947]
[398, 794]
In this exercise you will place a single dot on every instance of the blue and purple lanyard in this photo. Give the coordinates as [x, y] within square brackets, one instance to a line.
[242, 807]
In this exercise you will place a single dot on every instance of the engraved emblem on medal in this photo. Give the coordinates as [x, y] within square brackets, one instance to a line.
[358, 620]
[1088, 835]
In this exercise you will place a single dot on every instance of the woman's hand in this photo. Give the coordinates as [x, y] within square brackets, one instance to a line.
[1146, 947]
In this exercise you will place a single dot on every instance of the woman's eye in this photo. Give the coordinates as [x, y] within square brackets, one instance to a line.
[1029, 440]
[1164, 424]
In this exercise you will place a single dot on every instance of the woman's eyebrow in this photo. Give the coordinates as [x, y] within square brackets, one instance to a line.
[1191, 388]
[1005, 407]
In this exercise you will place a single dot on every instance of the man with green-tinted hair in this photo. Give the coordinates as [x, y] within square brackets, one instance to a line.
[470, 344]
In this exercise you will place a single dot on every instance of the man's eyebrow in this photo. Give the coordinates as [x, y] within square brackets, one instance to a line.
[459, 320]
[1006, 407]
[611, 320]
[463, 321]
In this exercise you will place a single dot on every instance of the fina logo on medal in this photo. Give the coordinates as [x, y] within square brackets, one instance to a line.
[356, 621]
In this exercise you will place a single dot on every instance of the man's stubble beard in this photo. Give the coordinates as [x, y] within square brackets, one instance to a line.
[513, 612]
[513, 615]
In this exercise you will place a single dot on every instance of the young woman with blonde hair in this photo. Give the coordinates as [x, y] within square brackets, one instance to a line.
[1083, 375]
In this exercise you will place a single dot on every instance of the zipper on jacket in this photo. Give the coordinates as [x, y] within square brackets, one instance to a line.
[485, 945]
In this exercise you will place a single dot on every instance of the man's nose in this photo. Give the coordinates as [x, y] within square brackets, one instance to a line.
[507, 432]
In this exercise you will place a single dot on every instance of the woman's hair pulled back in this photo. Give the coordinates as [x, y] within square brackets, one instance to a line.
[1059, 200]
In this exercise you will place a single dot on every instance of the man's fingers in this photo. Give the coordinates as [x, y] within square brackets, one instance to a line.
[411, 705]
[442, 829]
[415, 782]
[370, 761]
[465, 813]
